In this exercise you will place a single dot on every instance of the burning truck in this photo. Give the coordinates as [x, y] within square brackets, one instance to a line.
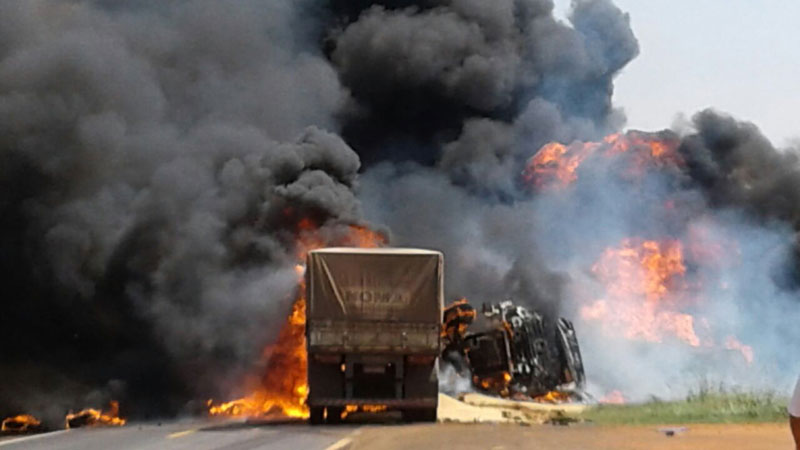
[375, 329]
[514, 352]
[373, 323]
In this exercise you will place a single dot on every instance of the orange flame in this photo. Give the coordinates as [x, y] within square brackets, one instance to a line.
[19, 424]
[457, 317]
[731, 343]
[373, 408]
[362, 237]
[639, 277]
[350, 409]
[284, 387]
[309, 238]
[613, 398]
[556, 164]
[94, 417]
[645, 289]
[498, 385]
[554, 397]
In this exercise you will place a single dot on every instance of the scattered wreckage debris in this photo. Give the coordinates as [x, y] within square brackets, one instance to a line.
[27, 423]
[673, 431]
[513, 352]
[94, 417]
[23, 423]
[480, 408]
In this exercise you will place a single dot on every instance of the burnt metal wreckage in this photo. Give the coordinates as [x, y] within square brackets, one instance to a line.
[512, 351]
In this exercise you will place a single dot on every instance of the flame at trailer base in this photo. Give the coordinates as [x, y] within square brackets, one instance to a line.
[371, 409]
[284, 387]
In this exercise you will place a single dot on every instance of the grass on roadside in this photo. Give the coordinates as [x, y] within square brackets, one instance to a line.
[707, 405]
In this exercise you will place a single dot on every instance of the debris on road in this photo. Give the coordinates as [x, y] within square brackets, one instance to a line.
[479, 408]
[23, 423]
[454, 410]
[94, 417]
[672, 431]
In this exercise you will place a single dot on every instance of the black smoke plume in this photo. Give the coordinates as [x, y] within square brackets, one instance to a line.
[451, 98]
[155, 161]
[421, 72]
[737, 167]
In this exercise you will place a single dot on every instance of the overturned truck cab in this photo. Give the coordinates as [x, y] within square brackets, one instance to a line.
[513, 351]
[373, 331]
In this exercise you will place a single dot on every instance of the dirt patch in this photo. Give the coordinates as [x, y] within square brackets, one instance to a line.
[575, 437]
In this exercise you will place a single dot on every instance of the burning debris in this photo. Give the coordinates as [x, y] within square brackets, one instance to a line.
[23, 423]
[513, 352]
[554, 397]
[370, 409]
[90, 417]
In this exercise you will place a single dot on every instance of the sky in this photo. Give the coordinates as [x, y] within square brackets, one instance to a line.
[738, 56]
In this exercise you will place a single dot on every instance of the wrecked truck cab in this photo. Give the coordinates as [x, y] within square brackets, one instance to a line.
[373, 331]
[513, 351]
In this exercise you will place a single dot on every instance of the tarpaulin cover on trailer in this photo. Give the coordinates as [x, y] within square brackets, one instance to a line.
[391, 284]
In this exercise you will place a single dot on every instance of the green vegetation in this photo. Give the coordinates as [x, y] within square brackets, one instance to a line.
[707, 405]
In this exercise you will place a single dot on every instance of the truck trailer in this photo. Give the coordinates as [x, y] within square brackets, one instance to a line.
[373, 321]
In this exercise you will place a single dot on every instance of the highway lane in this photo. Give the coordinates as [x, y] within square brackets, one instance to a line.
[379, 436]
[187, 435]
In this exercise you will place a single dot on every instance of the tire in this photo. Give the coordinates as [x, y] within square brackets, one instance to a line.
[317, 415]
[334, 415]
[419, 415]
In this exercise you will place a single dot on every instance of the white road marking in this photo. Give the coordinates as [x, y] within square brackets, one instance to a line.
[30, 438]
[340, 444]
[346, 441]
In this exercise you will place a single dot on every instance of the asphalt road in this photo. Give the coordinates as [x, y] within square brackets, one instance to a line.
[188, 435]
[377, 436]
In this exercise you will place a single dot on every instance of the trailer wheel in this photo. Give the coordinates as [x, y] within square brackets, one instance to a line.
[419, 415]
[334, 414]
[316, 415]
